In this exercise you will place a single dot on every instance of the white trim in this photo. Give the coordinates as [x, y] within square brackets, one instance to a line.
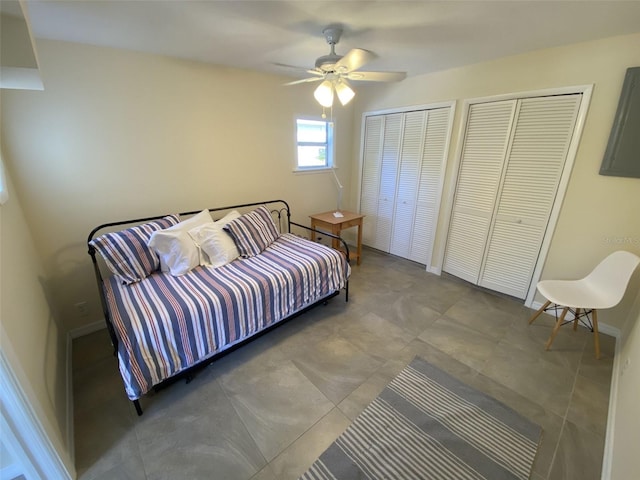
[586, 91]
[39, 454]
[532, 93]
[311, 170]
[434, 270]
[603, 328]
[331, 142]
[610, 330]
[20, 462]
[71, 335]
[360, 169]
[443, 171]
[611, 414]
[560, 192]
[86, 329]
[12, 471]
[4, 193]
[452, 104]
[409, 108]
[443, 234]
[70, 425]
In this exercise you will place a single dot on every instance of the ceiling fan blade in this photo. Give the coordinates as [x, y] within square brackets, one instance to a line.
[376, 76]
[293, 67]
[354, 59]
[312, 71]
[305, 80]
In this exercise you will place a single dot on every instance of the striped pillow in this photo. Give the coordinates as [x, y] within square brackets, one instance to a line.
[126, 252]
[253, 232]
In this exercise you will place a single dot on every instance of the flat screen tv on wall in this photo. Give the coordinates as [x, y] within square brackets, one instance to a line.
[622, 156]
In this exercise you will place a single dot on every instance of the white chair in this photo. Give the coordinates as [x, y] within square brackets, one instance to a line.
[604, 287]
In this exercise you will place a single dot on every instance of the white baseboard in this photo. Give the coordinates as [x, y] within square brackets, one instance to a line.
[611, 414]
[70, 425]
[613, 394]
[603, 328]
[71, 335]
[435, 270]
[87, 329]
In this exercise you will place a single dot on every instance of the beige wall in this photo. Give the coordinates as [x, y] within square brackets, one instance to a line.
[119, 134]
[598, 211]
[623, 446]
[30, 338]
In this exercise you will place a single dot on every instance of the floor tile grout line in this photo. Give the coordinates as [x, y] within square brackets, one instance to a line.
[555, 454]
[566, 413]
[298, 437]
[335, 407]
[555, 450]
[226, 394]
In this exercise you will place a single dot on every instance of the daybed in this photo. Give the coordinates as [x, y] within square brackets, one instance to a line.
[167, 318]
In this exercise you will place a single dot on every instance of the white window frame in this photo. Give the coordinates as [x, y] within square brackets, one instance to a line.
[331, 145]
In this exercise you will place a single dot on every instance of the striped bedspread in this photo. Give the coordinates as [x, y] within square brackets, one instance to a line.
[166, 324]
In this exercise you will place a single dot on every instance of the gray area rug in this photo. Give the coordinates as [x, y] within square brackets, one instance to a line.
[428, 425]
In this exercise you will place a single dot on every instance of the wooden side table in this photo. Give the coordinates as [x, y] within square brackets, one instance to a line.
[332, 224]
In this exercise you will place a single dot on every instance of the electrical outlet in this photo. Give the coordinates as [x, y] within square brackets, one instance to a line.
[625, 366]
[82, 308]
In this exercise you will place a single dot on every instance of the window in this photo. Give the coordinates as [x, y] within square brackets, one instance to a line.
[314, 141]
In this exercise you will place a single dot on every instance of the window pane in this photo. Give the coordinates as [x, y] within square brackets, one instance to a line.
[312, 131]
[312, 156]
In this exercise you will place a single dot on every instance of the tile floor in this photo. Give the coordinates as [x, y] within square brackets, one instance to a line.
[267, 410]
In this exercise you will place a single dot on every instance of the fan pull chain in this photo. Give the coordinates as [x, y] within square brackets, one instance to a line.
[324, 113]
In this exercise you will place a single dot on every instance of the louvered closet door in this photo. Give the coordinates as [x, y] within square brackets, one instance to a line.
[407, 186]
[433, 157]
[540, 142]
[372, 153]
[482, 162]
[388, 178]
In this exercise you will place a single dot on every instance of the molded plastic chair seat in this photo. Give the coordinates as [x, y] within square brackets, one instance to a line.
[576, 294]
[604, 287]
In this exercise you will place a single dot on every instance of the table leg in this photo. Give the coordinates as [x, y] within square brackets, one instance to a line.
[359, 244]
[313, 233]
[335, 243]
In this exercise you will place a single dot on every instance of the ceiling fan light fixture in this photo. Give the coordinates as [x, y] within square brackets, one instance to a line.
[324, 93]
[344, 91]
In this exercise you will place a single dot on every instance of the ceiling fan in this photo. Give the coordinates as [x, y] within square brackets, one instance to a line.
[335, 70]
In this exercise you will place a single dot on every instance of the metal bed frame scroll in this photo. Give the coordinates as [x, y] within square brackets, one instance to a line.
[284, 223]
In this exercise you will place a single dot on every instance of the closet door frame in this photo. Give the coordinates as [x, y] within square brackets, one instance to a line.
[442, 236]
[430, 106]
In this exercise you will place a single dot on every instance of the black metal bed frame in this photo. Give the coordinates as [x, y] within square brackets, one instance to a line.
[188, 372]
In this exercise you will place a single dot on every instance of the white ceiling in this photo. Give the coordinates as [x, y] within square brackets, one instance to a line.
[416, 37]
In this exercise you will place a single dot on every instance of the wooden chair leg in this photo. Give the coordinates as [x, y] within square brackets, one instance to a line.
[556, 328]
[540, 310]
[575, 320]
[596, 338]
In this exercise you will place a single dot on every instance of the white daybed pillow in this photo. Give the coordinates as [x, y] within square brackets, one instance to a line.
[177, 251]
[215, 242]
